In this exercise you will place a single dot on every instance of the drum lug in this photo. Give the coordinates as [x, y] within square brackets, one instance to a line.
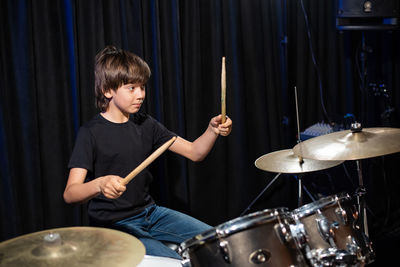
[352, 245]
[283, 233]
[223, 246]
[356, 218]
[299, 233]
[344, 258]
[259, 256]
[342, 215]
[325, 228]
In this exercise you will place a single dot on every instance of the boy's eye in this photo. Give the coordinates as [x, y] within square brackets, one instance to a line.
[131, 88]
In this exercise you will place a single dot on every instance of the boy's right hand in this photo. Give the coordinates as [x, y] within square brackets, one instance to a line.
[111, 187]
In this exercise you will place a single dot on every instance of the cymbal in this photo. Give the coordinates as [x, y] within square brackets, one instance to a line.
[348, 145]
[285, 161]
[73, 246]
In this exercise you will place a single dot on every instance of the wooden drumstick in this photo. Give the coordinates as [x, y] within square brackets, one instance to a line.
[148, 160]
[223, 91]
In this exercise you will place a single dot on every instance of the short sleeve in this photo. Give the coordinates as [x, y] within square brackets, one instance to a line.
[161, 134]
[82, 154]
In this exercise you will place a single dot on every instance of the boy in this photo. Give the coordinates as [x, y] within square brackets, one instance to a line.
[117, 140]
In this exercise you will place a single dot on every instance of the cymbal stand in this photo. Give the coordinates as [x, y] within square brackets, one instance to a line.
[261, 193]
[300, 198]
[301, 161]
[361, 190]
[360, 195]
[300, 188]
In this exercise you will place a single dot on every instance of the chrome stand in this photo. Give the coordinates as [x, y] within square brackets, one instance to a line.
[300, 199]
[360, 195]
[259, 195]
[361, 190]
[301, 187]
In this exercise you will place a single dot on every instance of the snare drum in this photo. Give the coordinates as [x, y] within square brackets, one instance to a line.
[328, 233]
[262, 238]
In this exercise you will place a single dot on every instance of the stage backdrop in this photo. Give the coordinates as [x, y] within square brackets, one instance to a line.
[271, 46]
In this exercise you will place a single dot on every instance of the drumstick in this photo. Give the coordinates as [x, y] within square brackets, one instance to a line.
[147, 161]
[223, 91]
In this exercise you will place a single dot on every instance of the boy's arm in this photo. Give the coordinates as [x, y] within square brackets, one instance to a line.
[198, 149]
[77, 190]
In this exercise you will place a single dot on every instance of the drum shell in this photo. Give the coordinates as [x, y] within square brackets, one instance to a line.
[259, 238]
[341, 211]
[344, 229]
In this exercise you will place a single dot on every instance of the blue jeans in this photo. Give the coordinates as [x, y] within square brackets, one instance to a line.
[156, 224]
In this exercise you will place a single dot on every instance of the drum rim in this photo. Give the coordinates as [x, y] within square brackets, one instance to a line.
[327, 201]
[233, 226]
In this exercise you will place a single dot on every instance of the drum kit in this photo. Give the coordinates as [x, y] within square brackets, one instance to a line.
[330, 231]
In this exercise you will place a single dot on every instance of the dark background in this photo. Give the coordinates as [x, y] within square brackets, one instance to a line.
[47, 51]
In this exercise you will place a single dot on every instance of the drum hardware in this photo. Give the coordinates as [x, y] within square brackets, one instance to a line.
[322, 257]
[285, 161]
[299, 234]
[300, 159]
[333, 257]
[260, 194]
[354, 144]
[224, 249]
[360, 193]
[325, 229]
[341, 215]
[283, 233]
[300, 189]
[327, 236]
[361, 190]
[321, 233]
[352, 245]
[261, 238]
[223, 245]
[259, 256]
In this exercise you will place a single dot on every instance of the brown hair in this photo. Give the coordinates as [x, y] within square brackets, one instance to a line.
[115, 67]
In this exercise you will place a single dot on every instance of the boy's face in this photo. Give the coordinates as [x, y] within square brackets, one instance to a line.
[128, 98]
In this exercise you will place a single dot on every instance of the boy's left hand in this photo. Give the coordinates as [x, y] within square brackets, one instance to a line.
[220, 128]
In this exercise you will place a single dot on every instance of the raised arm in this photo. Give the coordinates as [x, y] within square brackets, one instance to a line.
[198, 149]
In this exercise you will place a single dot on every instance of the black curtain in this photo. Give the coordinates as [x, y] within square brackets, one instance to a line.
[271, 46]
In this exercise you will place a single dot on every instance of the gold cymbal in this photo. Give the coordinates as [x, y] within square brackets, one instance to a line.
[73, 246]
[284, 161]
[346, 145]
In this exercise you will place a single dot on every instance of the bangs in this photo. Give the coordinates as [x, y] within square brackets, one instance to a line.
[124, 68]
[132, 73]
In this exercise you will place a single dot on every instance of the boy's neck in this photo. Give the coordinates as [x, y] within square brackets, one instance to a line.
[116, 118]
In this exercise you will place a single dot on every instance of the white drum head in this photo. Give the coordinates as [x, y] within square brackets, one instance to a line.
[155, 261]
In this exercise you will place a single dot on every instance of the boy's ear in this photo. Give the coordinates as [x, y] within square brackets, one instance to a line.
[107, 93]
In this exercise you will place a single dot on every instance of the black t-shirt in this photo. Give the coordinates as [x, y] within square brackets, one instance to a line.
[106, 148]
